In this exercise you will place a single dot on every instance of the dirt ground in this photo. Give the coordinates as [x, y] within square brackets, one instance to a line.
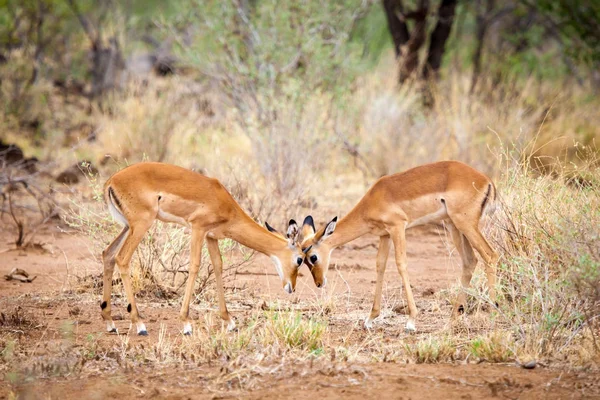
[433, 267]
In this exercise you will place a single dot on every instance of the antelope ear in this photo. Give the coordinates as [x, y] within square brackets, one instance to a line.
[330, 227]
[270, 228]
[309, 225]
[326, 231]
[292, 230]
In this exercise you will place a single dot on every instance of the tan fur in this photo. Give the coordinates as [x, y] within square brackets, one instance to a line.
[145, 192]
[448, 192]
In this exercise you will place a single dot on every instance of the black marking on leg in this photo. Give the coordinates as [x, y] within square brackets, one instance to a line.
[461, 309]
[487, 195]
[116, 201]
[103, 305]
[128, 308]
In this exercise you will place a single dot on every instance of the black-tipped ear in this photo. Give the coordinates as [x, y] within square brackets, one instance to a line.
[330, 227]
[270, 228]
[308, 221]
[292, 230]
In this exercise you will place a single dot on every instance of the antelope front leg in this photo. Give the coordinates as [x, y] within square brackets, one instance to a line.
[399, 239]
[382, 256]
[217, 262]
[195, 258]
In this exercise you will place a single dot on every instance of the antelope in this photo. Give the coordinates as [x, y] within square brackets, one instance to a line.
[144, 192]
[447, 192]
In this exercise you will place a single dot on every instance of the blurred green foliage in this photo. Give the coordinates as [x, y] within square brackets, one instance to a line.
[576, 22]
[288, 47]
[278, 46]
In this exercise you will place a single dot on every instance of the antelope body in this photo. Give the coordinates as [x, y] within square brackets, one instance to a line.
[144, 192]
[447, 192]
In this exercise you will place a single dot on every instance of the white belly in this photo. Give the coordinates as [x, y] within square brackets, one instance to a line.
[166, 217]
[432, 218]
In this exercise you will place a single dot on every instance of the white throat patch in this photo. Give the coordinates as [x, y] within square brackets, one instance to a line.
[277, 263]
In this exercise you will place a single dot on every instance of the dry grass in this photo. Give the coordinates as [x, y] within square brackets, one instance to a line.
[495, 346]
[547, 231]
[432, 350]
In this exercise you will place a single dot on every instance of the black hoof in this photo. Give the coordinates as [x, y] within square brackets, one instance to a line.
[496, 304]
[187, 333]
[143, 333]
[461, 309]
[113, 330]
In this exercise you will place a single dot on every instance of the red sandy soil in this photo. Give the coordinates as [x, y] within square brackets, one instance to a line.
[433, 266]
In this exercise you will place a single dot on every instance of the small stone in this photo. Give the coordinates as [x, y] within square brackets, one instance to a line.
[400, 309]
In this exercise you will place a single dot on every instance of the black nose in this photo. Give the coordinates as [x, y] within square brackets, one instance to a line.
[313, 259]
[299, 260]
[319, 284]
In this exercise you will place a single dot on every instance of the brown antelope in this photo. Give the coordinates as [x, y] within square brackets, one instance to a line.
[447, 192]
[144, 192]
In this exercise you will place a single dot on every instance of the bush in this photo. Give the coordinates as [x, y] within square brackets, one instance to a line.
[547, 231]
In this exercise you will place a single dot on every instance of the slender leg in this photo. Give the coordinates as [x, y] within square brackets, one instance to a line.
[136, 233]
[217, 262]
[399, 238]
[489, 256]
[469, 262]
[196, 257]
[108, 258]
[382, 256]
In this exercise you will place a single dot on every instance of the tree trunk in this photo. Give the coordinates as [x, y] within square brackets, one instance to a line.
[410, 53]
[107, 61]
[396, 25]
[438, 38]
[107, 65]
[40, 43]
[480, 31]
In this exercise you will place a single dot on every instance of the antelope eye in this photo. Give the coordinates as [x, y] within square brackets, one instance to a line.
[299, 261]
[313, 259]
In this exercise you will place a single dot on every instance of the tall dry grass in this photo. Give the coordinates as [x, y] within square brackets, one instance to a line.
[393, 129]
[547, 232]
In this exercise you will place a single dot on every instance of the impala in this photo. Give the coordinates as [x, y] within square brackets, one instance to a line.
[447, 192]
[144, 192]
